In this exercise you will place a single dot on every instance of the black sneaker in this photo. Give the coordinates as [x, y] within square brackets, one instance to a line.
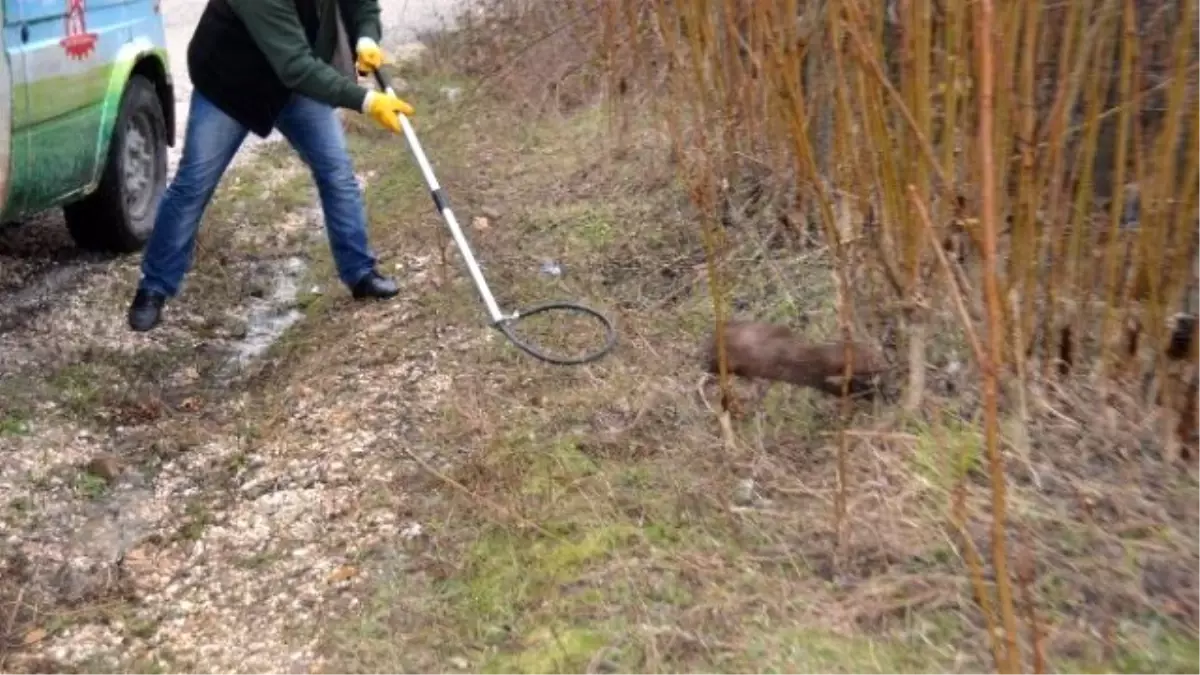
[145, 310]
[374, 285]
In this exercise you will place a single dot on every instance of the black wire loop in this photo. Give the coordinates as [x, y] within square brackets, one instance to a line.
[505, 325]
[610, 338]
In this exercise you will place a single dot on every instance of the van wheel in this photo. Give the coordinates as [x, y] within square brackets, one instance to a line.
[119, 215]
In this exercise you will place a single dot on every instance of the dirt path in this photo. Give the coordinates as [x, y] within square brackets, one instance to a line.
[143, 526]
[158, 511]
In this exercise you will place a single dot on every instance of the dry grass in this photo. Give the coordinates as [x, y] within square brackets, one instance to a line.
[594, 519]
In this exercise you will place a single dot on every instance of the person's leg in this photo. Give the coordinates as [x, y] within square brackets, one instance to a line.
[211, 140]
[314, 131]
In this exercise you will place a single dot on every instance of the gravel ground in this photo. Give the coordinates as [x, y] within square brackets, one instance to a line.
[174, 537]
[138, 530]
[155, 512]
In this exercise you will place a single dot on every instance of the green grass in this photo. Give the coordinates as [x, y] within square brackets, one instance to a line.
[197, 518]
[550, 650]
[822, 651]
[90, 486]
[14, 423]
[78, 386]
[947, 453]
[1167, 651]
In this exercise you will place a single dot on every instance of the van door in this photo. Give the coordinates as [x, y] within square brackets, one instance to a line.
[68, 65]
[14, 147]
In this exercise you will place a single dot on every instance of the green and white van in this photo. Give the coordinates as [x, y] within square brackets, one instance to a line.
[87, 112]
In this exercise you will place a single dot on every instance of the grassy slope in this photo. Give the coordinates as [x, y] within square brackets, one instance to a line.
[597, 523]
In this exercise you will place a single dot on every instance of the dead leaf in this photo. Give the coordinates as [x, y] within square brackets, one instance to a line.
[343, 573]
[105, 466]
[140, 411]
[34, 636]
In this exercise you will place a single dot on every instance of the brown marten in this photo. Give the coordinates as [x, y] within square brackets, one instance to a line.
[772, 352]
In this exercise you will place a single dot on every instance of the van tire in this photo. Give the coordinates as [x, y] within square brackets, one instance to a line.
[119, 215]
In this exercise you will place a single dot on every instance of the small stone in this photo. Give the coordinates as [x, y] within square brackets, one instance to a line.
[743, 495]
[480, 223]
[343, 573]
[607, 666]
[489, 212]
[460, 663]
[105, 466]
[237, 328]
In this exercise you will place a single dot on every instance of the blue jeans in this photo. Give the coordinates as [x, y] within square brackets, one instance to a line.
[211, 140]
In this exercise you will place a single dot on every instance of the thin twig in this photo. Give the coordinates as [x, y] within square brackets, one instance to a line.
[951, 281]
[487, 502]
[984, 29]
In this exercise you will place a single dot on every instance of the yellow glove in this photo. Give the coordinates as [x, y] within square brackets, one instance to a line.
[370, 56]
[386, 109]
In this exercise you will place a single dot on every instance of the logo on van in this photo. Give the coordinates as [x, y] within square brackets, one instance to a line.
[78, 43]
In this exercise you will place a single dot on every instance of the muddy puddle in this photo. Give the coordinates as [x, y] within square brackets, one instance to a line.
[270, 316]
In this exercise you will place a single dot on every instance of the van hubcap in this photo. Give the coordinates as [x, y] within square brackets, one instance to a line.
[139, 167]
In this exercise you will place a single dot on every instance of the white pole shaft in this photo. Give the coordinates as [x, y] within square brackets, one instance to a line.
[443, 206]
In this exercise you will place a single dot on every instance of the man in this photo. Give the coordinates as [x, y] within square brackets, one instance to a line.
[257, 65]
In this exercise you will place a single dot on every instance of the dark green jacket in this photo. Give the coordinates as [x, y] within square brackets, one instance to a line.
[249, 56]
